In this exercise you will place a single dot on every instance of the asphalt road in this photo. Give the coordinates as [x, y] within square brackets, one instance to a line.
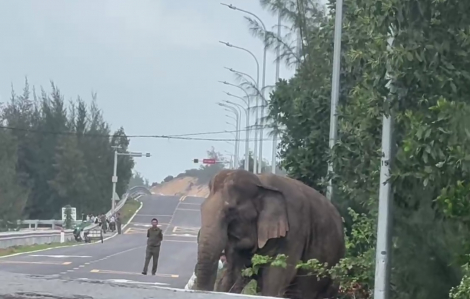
[120, 259]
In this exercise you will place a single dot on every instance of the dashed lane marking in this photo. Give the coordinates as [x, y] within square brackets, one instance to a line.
[179, 241]
[148, 215]
[186, 230]
[182, 235]
[33, 263]
[131, 273]
[59, 256]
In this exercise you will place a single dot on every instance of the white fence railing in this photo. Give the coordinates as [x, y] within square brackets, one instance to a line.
[22, 238]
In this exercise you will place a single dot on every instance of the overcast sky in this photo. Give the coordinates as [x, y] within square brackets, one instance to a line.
[153, 63]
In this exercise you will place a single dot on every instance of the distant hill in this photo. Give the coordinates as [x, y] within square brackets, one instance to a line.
[182, 186]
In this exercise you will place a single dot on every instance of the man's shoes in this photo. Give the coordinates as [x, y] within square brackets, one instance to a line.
[144, 273]
[153, 274]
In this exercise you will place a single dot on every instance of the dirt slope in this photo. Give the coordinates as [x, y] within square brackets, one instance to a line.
[181, 186]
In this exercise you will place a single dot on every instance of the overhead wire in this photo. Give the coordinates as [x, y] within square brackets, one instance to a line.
[174, 137]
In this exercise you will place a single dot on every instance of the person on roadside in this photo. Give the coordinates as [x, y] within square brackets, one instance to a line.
[112, 223]
[104, 224]
[118, 222]
[154, 240]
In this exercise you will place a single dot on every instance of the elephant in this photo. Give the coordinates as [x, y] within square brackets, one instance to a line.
[267, 214]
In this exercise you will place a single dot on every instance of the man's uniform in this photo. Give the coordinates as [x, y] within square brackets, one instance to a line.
[154, 240]
[118, 223]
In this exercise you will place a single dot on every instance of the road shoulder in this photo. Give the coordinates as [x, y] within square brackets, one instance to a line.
[24, 249]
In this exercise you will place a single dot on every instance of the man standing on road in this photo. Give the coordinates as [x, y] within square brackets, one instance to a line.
[118, 222]
[154, 240]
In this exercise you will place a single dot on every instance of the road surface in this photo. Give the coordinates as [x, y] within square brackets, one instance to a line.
[120, 259]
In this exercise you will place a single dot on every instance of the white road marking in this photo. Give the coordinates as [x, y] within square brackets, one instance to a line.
[59, 256]
[137, 282]
[182, 235]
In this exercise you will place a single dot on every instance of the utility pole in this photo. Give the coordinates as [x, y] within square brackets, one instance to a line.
[114, 178]
[384, 222]
[335, 83]
[278, 64]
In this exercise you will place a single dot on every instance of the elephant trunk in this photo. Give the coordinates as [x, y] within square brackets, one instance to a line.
[212, 241]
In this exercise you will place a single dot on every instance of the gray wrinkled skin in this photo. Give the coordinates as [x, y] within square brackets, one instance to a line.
[20, 286]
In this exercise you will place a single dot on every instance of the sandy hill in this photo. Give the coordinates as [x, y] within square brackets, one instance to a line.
[182, 186]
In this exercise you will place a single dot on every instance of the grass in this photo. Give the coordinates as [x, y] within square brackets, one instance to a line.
[128, 210]
[29, 248]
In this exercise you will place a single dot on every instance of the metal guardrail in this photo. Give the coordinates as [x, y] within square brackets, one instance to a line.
[22, 238]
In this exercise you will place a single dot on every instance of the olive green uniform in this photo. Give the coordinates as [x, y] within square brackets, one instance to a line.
[118, 224]
[154, 240]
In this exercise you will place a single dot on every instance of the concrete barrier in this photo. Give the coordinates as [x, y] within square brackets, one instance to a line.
[15, 239]
[24, 238]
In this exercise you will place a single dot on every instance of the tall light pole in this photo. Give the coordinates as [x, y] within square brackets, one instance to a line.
[236, 133]
[384, 221]
[278, 65]
[244, 74]
[255, 159]
[114, 178]
[238, 114]
[335, 88]
[247, 145]
[247, 150]
[260, 155]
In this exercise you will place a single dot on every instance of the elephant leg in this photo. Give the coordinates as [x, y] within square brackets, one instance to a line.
[239, 285]
[307, 286]
[275, 281]
[228, 280]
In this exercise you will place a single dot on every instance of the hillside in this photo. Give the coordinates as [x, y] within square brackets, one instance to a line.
[182, 186]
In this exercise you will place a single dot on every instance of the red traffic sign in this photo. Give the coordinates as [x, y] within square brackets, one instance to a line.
[208, 161]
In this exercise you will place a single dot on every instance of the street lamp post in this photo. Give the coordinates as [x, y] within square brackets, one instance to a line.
[278, 64]
[237, 131]
[335, 87]
[260, 155]
[247, 150]
[255, 159]
[238, 114]
[114, 178]
[247, 145]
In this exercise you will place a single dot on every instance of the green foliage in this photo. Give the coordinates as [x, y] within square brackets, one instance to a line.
[44, 169]
[12, 195]
[138, 180]
[265, 167]
[428, 67]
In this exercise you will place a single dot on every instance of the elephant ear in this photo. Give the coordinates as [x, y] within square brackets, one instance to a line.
[272, 219]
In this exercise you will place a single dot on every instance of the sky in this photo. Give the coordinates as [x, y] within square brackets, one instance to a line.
[154, 64]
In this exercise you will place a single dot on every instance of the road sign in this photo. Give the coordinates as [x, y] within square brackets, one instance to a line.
[196, 160]
[74, 214]
[208, 161]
